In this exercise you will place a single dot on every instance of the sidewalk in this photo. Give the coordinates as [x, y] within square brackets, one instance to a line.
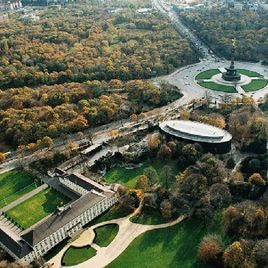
[128, 231]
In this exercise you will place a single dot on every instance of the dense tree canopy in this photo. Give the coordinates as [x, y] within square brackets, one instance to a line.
[217, 28]
[27, 114]
[91, 43]
[62, 76]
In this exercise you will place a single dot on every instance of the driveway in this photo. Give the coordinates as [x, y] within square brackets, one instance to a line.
[128, 231]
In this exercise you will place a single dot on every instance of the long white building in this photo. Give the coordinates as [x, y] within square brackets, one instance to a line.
[65, 222]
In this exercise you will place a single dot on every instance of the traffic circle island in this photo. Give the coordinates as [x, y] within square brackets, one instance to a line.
[214, 79]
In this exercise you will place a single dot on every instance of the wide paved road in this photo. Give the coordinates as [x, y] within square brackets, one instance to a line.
[183, 29]
[183, 78]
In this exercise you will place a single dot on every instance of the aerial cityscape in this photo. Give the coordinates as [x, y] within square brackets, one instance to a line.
[133, 133]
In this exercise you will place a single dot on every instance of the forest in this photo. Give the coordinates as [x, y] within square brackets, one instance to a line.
[63, 76]
[91, 43]
[218, 27]
[226, 199]
[27, 115]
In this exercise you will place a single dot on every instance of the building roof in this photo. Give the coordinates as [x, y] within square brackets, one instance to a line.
[13, 242]
[59, 219]
[195, 131]
[92, 148]
[86, 183]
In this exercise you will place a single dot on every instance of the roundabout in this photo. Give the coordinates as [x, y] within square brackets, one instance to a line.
[243, 81]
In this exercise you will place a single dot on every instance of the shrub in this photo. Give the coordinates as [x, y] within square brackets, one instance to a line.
[256, 179]
[245, 219]
[260, 253]
[233, 256]
[210, 249]
[219, 195]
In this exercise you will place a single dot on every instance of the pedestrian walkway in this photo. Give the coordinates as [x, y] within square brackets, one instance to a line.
[4, 222]
[23, 198]
[128, 231]
[240, 90]
[85, 239]
[96, 247]
[222, 69]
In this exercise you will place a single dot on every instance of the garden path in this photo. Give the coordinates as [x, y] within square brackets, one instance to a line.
[128, 231]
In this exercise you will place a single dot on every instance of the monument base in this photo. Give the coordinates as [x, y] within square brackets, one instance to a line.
[244, 80]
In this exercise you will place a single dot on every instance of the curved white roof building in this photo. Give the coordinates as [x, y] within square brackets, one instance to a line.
[197, 132]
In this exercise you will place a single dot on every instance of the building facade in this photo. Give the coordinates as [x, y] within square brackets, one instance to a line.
[93, 200]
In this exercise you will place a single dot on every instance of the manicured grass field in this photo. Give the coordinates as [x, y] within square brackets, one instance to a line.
[149, 219]
[74, 256]
[113, 213]
[171, 247]
[255, 85]
[217, 87]
[249, 73]
[37, 207]
[128, 177]
[14, 184]
[207, 74]
[105, 234]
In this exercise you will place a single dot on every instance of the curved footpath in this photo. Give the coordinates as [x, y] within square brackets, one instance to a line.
[128, 231]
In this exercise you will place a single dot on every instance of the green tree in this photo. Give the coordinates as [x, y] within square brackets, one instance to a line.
[256, 179]
[210, 249]
[151, 174]
[47, 142]
[142, 183]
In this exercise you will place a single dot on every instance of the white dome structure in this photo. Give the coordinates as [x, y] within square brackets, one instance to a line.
[216, 139]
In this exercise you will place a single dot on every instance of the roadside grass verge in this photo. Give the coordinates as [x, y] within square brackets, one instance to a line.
[74, 256]
[207, 74]
[105, 234]
[217, 87]
[255, 84]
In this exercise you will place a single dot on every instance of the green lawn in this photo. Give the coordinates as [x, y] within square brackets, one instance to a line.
[171, 247]
[113, 213]
[207, 74]
[36, 208]
[105, 234]
[255, 85]
[217, 87]
[149, 219]
[249, 73]
[14, 184]
[128, 177]
[74, 256]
